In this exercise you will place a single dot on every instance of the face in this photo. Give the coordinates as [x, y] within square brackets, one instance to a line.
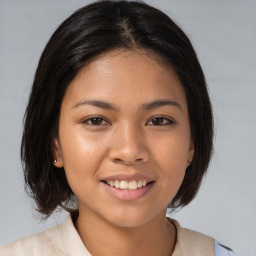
[124, 137]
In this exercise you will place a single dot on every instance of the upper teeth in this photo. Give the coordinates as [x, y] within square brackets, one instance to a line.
[124, 184]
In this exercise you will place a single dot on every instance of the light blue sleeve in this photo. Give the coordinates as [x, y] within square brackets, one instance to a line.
[222, 250]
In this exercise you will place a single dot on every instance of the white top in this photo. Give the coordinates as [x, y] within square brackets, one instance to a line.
[63, 240]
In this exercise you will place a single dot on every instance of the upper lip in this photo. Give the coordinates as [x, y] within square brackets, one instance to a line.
[129, 177]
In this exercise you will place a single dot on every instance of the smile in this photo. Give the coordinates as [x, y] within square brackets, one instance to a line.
[127, 190]
[127, 185]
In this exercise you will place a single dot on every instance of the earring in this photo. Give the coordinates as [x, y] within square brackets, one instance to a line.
[55, 161]
[189, 161]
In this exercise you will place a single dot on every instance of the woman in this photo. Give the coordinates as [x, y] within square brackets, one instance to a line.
[119, 122]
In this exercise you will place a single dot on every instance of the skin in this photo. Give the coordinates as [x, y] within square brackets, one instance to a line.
[126, 139]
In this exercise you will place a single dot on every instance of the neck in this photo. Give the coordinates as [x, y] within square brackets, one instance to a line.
[101, 238]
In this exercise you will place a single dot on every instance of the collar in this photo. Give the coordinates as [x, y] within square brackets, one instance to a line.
[188, 242]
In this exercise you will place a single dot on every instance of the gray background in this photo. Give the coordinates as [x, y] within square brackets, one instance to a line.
[224, 35]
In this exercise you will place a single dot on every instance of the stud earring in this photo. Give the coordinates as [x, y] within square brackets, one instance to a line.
[189, 161]
[55, 161]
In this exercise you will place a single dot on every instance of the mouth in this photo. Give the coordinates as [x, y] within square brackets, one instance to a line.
[127, 185]
[127, 190]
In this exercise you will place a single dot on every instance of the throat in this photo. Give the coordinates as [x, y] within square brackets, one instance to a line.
[107, 240]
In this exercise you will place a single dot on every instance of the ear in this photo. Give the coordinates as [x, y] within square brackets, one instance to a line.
[191, 151]
[57, 155]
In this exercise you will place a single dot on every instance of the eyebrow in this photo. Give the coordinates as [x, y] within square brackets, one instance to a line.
[146, 106]
[96, 103]
[160, 103]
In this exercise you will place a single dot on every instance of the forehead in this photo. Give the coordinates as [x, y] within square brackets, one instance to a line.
[121, 74]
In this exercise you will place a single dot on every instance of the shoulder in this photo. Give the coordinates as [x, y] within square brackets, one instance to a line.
[191, 242]
[60, 240]
[43, 243]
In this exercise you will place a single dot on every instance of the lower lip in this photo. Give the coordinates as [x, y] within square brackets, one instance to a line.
[128, 195]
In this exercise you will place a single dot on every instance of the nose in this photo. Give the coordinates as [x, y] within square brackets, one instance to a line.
[129, 146]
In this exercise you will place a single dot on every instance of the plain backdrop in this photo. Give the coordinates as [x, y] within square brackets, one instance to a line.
[224, 35]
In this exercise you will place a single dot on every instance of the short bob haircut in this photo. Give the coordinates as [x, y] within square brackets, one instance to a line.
[95, 29]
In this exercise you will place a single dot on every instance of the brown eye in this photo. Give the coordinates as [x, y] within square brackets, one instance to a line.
[158, 121]
[96, 121]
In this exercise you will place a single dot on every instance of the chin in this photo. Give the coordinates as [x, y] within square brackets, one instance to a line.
[130, 218]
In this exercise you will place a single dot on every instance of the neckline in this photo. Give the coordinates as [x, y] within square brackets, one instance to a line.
[70, 233]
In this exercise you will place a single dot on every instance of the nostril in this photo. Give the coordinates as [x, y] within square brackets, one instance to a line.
[118, 160]
[127, 161]
[139, 160]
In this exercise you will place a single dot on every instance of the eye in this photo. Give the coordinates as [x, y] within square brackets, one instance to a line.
[96, 121]
[160, 121]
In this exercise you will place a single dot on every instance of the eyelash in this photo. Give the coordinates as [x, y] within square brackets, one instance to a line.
[90, 119]
[163, 121]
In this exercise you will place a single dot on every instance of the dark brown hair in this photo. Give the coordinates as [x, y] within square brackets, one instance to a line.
[95, 29]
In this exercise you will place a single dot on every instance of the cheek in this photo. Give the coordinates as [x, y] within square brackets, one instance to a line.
[172, 151]
[82, 155]
[171, 155]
